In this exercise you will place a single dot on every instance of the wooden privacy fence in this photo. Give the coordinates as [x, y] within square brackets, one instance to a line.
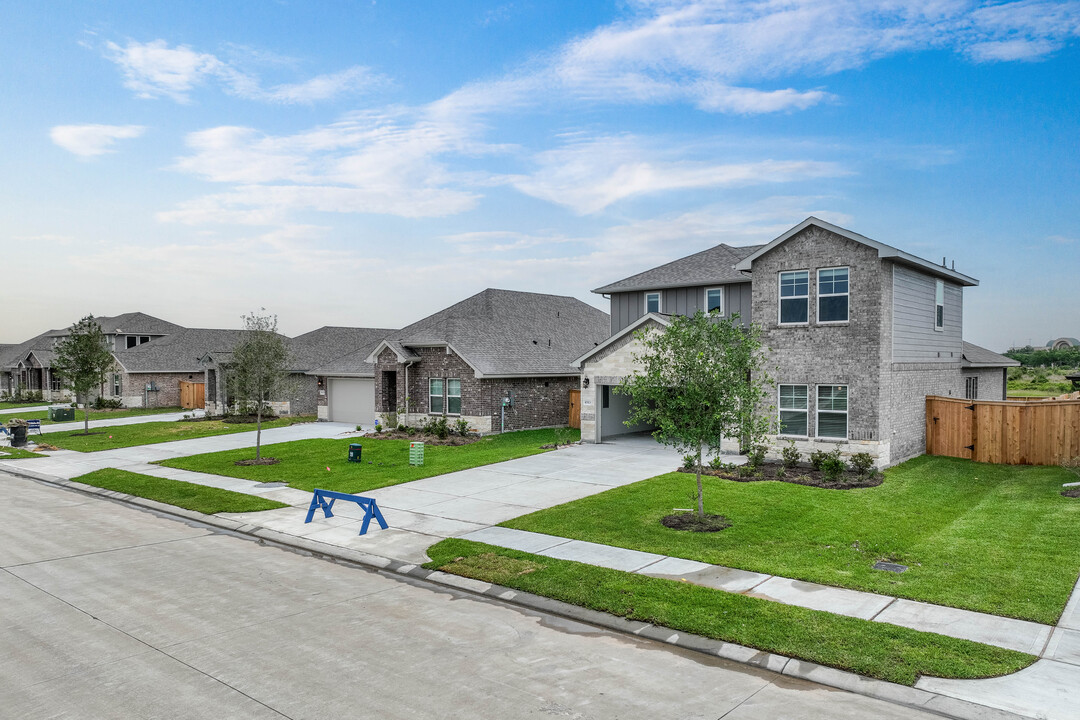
[575, 408]
[192, 395]
[1008, 432]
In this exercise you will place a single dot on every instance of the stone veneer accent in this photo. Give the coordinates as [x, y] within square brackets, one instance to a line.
[608, 367]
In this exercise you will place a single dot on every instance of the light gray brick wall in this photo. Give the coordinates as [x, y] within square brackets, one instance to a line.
[991, 382]
[909, 384]
[837, 354]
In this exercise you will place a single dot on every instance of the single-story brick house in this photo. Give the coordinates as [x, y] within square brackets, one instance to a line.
[345, 385]
[499, 360]
[149, 375]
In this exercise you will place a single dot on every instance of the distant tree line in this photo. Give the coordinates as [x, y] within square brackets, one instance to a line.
[1042, 357]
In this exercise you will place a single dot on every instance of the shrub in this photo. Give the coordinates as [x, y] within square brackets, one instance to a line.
[863, 463]
[461, 425]
[781, 471]
[436, 426]
[818, 458]
[756, 456]
[833, 467]
[717, 463]
[790, 455]
[103, 403]
[689, 461]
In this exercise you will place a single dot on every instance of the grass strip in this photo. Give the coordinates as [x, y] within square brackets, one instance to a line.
[200, 498]
[43, 415]
[119, 436]
[878, 650]
[303, 464]
[11, 453]
[997, 539]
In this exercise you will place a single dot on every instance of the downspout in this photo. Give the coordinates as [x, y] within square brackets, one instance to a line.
[407, 365]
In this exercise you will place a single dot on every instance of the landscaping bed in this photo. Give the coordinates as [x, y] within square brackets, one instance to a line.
[878, 650]
[428, 438]
[200, 498]
[323, 463]
[992, 538]
[799, 476]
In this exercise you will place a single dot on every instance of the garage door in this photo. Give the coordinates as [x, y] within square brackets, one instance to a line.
[352, 400]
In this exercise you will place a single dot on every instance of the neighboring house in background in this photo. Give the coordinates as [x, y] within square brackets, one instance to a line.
[462, 362]
[345, 384]
[306, 353]
[857, 333]
[1062, 343]
[151, 374]
[28, 365]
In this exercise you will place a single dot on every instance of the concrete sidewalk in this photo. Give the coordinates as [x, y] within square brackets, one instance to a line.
[28, 409]
[112, 422]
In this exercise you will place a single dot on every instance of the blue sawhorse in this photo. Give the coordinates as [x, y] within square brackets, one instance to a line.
[368, 505]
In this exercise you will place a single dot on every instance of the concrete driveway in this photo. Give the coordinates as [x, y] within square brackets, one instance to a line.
[114, 612]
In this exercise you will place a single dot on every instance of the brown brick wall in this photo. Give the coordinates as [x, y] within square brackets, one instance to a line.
[168, 385]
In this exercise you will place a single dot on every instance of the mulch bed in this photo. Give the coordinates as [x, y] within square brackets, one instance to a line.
[1071, 492]
[694, 523]
[798, 476]
[244, 419]
[427, 439]
[260, 461]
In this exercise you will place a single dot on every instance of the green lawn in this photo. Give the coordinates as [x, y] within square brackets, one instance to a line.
[304, 463]
[1035, 393]
[994, 538]
[118, 436]
[43, 415]
[7, 405]
[10, 453]
[200, 498]
[876, 650]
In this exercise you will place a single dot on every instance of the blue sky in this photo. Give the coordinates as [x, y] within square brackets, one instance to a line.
[367, 164]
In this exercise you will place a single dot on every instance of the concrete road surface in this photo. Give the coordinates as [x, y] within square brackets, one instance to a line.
[111, 612]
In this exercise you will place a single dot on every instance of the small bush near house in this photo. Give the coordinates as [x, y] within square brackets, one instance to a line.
[756, 456]
[462, 427]
[818, 458]
[437, 426]
[833, 467]
[689, 461]
[790, 455]
[104, 403]
[862, 463]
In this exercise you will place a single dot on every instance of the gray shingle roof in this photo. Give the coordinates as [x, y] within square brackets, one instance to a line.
[137, 323]
[323, 347]
[508, 333]
[11, 355]
[715, 265]
[975, 356]
[177, 352]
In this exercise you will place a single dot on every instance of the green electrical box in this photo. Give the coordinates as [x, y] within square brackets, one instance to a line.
[61, 412]
[416, 453]
[355, 451]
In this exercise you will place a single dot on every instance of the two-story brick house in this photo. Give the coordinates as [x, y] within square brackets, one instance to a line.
[500, 360]
[858, 332]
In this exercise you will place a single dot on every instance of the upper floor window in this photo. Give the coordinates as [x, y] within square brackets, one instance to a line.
[832, 295]
[435, 395]
[832, 411]
[714, 300]
[132, 341]
[652, 302]
[939, 305]
[793, 410]
[795, 296]
[453, 396]
[144, 339]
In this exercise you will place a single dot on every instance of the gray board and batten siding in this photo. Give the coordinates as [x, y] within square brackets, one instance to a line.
[628, 307]
[915, 339]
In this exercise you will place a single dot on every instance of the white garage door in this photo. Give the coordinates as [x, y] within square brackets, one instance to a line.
[352, 400]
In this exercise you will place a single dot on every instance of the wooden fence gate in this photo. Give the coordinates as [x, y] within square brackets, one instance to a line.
[1008, 432]
[192, 395]
[575, 408]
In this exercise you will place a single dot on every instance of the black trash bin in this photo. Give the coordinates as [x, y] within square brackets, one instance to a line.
[18, 435]
[355, 449]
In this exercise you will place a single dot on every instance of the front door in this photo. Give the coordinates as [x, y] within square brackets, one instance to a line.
[575, 408]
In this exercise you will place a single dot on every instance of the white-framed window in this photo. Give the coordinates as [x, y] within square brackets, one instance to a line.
[794, 297]
[144, 339]
[793, 410]
[652, 302]
[453, 396]
[832, 295]
[435, 395]
[56, 383]
[116, 387]
[714, 300]
[131, 341]
[939, 305]
[832, 411]
[971, 388]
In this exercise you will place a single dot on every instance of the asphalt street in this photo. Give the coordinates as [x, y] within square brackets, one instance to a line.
[107, 611]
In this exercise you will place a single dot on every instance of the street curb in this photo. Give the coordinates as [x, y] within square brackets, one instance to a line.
[915, 698]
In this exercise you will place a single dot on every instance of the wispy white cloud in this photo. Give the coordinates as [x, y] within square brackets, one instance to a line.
[1061, 239]
[155, 69]
[92, 140]
[587, 176]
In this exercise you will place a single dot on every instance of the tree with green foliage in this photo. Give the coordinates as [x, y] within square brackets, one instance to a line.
[82, 359]
[259, 369]
[703, 379]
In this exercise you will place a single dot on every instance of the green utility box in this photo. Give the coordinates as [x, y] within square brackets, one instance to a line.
[61, 412]
[416, 453]
[355, 450]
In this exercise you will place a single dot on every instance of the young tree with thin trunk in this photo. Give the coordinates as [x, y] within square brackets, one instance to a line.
[702, 380]
[82, 359]
[259, 369]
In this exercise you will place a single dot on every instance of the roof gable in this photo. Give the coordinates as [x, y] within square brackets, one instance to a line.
[714, 266]
[883, 250]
